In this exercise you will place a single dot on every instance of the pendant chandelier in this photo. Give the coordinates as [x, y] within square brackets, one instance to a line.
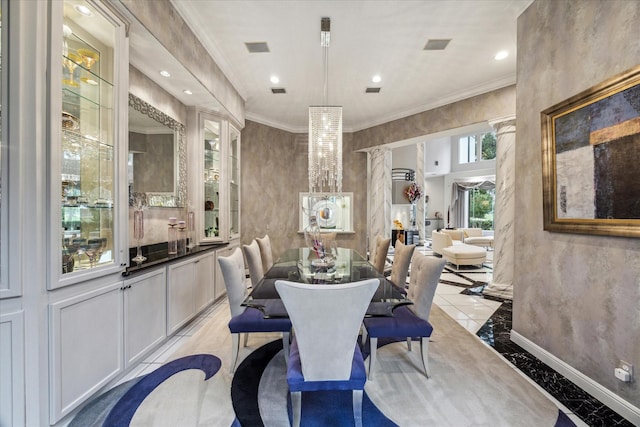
[325, 132]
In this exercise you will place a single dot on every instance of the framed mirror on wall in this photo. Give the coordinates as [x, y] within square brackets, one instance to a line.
[157, 165]
[333, 211]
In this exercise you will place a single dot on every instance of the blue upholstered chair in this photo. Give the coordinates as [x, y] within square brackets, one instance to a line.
[245, 320]
[410, 320]
[324, 351]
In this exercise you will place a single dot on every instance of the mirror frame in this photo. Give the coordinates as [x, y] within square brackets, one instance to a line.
[163, 200]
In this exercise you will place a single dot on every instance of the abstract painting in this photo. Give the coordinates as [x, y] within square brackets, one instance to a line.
[591, 160]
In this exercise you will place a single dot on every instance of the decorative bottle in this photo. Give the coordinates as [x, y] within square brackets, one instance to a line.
[191, 228]
[172, 240]
[182, 238]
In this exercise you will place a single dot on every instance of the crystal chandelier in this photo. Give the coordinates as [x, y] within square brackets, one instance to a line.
[325, 132]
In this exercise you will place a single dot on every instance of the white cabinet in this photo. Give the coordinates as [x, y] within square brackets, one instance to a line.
[86, 346]
[144, 314]
[12, 369]
[88, 85]
[204, 281]
[189, 289]
[96, 335]
[214, 159]
[180, 302]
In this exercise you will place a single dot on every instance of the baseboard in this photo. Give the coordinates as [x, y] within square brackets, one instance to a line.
[603, 394]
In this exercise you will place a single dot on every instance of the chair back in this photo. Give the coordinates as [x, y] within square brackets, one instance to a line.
[425, 275]
[254, 261]
[380, 256]
[326, 320]
[401, 261]
[232, 268]
[266, 254]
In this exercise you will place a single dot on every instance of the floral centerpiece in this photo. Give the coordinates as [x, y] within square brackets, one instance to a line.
[413, 192]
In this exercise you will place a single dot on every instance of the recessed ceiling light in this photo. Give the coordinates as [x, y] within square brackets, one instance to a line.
[501, 55]
[275, 80]
[165, 73]
[188, 92]
[376, 78]
[83, 10]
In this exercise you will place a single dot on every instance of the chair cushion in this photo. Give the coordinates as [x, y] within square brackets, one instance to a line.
[252, 320]
[296, 379]
[404, 323]
[465, 252]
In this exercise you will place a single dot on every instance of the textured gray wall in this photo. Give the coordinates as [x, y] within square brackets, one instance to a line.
[576, 296]
[274, 166]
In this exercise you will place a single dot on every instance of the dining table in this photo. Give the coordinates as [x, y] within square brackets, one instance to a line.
[343, 265]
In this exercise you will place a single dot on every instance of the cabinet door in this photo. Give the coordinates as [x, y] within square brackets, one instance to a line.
[180, 295]
[88, 63]
[12, 403]
[86, 346]
[234, 183]
[211, 146]
[145, 314]
[204, 283]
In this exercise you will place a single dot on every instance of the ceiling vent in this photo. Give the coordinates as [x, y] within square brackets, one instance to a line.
[372, 90]
[436, 44]
[278, 90]
[257, 47]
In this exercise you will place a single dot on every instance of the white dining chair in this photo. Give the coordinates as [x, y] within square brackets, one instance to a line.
[254, 262]
[324, 354]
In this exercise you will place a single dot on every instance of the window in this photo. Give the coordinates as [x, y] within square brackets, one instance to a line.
[480, 205]
[472, 148]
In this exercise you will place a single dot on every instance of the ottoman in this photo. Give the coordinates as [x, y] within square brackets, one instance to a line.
[465, 255]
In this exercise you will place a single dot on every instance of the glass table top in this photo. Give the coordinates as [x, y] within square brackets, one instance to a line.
[302, 265]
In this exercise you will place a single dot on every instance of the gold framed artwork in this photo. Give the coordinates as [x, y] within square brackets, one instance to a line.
[591, 160]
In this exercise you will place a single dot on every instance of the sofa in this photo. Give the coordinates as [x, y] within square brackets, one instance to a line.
[455, 251]
[475, 236]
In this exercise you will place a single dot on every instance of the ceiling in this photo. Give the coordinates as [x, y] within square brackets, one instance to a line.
[367, 38]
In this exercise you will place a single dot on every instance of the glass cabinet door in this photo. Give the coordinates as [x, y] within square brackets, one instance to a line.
[83, 121]
[212, 179]
[234, 183]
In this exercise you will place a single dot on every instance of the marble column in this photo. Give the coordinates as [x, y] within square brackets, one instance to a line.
[379, 195]
[504, 241]
[420, 181]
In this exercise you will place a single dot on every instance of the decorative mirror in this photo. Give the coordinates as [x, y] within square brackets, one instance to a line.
[157, 163]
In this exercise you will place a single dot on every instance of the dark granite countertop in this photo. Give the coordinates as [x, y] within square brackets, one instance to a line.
[157, 254]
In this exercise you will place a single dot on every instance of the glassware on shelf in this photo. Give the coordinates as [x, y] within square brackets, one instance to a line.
[172, 236]
[94, 250]
[138, 234]
[71, 62]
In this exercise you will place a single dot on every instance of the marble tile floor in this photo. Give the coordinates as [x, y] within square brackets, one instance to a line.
[459, 295]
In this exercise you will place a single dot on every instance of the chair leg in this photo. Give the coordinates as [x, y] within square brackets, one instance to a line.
[373, 346]
[285, 346]
[296, 407]
[424, 350]
[235, 347]
[364, 335]
[409, 343]
[246, 338]
[357, 407]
